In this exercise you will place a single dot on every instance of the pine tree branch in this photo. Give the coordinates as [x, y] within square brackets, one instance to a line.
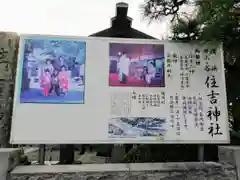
[157, 9]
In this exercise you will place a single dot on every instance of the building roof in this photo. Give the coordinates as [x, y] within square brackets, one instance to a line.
[130, 33]
[121, 26]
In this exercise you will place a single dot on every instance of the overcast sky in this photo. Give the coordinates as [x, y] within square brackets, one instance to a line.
[69, 17]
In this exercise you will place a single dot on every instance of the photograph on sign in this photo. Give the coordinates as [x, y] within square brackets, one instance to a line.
[136, 65]
[135, 127]
[52, 71]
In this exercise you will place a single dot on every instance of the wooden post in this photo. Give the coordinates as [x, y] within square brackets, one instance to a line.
[41, 154]
[201, 152]
[66, 154]
[118, 153]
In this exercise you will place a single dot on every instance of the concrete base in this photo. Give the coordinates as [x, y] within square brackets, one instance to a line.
[227, 169]
[144, 171]
[230, 155]
[9, 158]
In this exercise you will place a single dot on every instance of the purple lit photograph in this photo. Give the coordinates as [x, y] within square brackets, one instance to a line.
[136, 65]
[52, 70]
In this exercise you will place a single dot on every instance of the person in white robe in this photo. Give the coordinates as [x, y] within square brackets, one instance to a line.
[151, 73]
[123, 68]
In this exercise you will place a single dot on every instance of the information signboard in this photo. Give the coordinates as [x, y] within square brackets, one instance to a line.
[109, 90]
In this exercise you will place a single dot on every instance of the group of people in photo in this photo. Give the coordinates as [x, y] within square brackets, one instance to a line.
[147, 72]
[53, 71]
[53, 80]
[125, 67]
[56, 74]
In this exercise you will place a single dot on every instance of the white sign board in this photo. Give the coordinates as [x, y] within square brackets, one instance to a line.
[105, 90]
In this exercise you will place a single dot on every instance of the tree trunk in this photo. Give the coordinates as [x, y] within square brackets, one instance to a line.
[66, 154]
